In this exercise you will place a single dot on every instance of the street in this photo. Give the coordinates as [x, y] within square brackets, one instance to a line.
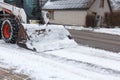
[97, 40]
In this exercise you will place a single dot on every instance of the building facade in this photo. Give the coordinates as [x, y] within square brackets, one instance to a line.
[71, 12]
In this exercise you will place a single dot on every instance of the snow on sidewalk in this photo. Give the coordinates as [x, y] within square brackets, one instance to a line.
[69, 63]
[113, 31]
[90, 55]
[44, 68]
[38, 67]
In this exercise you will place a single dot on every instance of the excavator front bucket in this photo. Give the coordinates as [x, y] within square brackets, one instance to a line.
[22, 37]
[42, 38]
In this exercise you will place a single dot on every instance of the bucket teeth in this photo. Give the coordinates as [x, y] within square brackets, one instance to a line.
[23, 45]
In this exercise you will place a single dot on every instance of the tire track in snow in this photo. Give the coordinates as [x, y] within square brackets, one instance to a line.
[81, 64]
[76, 63]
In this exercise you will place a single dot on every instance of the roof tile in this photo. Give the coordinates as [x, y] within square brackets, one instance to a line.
[66, 4]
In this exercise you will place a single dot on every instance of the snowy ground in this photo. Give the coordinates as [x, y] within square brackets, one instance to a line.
[78, 63]
[114, 31]
[71, 63]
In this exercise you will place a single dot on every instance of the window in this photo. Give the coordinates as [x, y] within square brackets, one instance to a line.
[51, 15]
[102, 3]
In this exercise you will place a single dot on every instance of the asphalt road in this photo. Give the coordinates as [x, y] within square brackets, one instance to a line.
[97, 40]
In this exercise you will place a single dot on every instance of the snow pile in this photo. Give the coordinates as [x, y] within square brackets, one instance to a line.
[113, 31]
[45, 38]
[44, 14]
[78, 28]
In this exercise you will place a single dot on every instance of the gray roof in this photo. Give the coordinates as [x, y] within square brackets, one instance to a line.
[67, 4]
[115, 4]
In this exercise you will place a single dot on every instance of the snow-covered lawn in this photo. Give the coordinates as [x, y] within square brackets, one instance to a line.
[113, 31]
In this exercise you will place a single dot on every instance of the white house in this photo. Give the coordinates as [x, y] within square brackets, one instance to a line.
[74, 12]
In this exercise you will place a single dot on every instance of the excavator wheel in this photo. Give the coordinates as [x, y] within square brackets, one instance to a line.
[9, 30]
[0, 28]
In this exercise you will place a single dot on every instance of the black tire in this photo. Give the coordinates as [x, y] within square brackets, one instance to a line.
[0, 28]
[9, 30]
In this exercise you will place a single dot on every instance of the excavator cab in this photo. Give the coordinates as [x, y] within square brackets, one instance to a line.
[31, 7]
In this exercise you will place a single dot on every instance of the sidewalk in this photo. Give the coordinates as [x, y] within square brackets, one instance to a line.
[9, 75]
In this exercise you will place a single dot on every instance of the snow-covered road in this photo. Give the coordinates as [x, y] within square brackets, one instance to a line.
[78, 63]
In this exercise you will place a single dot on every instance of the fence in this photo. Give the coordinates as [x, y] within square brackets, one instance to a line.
[112, 19]
[90, 21]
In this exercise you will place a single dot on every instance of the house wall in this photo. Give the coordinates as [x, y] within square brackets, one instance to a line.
[78, 17]
[0, 9]
[69, 17]
[100, 11]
